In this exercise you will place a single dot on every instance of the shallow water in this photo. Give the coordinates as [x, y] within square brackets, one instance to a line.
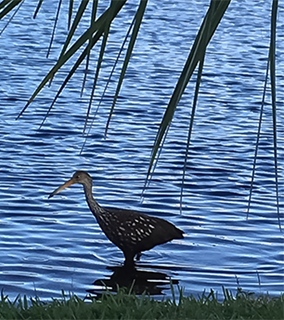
[53, 245]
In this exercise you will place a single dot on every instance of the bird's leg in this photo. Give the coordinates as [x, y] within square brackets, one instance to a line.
[129, 260]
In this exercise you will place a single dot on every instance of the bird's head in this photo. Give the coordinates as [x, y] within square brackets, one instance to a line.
[81, 177]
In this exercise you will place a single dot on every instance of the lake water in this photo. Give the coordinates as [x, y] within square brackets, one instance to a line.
[52, 245]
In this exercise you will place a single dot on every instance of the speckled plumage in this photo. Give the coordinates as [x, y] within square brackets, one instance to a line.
[131, 231]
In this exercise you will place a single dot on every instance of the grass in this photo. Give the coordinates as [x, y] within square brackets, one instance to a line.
[126, 305]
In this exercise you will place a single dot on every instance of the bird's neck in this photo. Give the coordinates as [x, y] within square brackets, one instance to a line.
[92, 203]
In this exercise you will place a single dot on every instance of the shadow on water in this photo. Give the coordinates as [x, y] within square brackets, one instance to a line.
[138, 279]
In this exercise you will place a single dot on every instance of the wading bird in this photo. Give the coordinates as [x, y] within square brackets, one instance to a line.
[131, 231]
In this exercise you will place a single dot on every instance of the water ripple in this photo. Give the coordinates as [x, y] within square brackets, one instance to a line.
[53, 245]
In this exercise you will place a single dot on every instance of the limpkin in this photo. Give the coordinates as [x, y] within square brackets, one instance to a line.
[131, 231]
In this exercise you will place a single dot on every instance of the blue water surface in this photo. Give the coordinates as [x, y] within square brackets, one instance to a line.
[52, 245]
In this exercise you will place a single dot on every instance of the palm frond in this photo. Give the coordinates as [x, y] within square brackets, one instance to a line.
[210, 23]
[12, 17]
[138, 19]
[7, 6]
[37, 8]
[54, 28]
[273, 95]
[97, 29]
[271, 64]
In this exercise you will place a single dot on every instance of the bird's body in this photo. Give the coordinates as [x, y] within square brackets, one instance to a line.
[131, 231]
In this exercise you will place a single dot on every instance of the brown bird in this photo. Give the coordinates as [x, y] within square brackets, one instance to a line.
[131, 231]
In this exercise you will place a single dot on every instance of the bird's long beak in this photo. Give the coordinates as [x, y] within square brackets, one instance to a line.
[65, 185]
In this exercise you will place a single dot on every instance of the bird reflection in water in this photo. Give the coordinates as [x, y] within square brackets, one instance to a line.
[138, 280]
